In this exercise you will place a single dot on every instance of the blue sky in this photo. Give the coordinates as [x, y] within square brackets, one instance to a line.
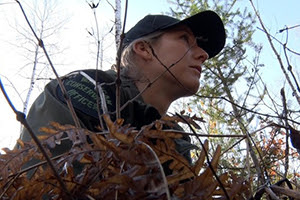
[275, 13]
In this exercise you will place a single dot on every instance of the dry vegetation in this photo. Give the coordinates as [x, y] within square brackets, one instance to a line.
[120, 164]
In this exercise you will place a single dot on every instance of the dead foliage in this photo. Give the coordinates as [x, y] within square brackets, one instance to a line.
[122, 163]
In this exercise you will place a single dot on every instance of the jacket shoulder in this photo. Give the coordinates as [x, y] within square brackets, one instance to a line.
[81, 89]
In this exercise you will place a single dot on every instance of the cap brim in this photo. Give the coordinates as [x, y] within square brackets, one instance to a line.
[208, 27]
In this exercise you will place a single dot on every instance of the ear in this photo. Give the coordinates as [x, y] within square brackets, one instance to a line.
[142, 49]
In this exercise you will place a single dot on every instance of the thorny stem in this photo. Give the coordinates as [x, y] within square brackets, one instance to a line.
[288, 28]
[207, 157]
[99, 54]
[249, 89]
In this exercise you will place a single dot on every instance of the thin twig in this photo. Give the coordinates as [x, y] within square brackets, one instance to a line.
[290, 68]
[288, 28]
[294, 52]
[246, 109]
[207, 157]
[286, 191]
[41, 44]
[276, 53]
[93, 7]
[160, 167]
[243, 136]
[253, 155]
[285, 113]
[271, 193]
[100, 92]
[9, 184]
[97, 64]
[167, 69]
[21, 118]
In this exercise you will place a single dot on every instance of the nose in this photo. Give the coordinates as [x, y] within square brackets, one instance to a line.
[200, 54]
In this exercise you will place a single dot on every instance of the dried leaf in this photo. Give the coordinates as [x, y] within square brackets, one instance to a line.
[21, 143]
[48, 130]
[116, 164]
[199, 163]
[114, 131]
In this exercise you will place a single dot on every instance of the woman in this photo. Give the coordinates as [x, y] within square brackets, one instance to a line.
[161, 62]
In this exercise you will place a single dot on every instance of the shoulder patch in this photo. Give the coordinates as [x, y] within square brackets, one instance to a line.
[83, 94]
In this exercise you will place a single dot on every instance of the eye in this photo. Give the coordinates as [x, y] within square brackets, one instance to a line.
[186, 38]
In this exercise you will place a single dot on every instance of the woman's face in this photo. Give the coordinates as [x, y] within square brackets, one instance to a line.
[177, 49]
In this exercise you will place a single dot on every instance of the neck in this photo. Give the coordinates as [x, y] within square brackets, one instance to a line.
[156, 95]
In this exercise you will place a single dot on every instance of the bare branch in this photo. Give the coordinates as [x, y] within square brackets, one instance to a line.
[119, 52]
[41, 44]
[276, 53]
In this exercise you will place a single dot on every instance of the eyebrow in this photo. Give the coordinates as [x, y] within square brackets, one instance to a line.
[182, 28]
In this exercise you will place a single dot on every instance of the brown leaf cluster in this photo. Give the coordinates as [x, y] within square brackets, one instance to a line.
[122, 163]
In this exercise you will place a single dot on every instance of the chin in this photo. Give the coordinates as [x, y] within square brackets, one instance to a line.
[188, 89]
[192, 91]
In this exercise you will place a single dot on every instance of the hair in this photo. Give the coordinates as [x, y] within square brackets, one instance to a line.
[127, 58]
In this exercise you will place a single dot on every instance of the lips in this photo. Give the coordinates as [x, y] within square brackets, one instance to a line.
[198, 68]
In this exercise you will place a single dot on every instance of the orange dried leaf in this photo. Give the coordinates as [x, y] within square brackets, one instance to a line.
[60, 127]
[162, 134]
[21, 143]
[114, 131]
[42, 137]
[176, 178]
[199, 163]
[48, 130]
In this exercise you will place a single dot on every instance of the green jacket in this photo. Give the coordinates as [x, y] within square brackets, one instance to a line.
[51, 106]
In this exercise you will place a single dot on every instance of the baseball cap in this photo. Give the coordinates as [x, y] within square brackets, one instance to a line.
[206, 25]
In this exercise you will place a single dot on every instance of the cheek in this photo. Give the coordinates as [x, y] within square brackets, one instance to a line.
[171, 54]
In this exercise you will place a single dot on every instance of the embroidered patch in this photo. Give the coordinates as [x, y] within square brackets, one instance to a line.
[83, 95]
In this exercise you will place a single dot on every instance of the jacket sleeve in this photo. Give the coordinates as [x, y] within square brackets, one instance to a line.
[46, 108]
[51, 104]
